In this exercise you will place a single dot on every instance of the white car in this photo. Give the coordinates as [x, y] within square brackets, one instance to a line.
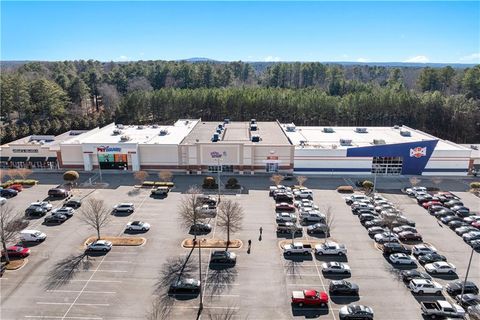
[420, 249]
[355, 197]
[362, 205]
[385, 237]
[286, 217]
[330, 247]
[43, 204]
[304, 194]
[401, 258]
[124, 207]
[415, 190]
[422, 286]
[206, 211]
[440, 267]
[336, 267]
[67, 211]
[3, 200]
[313, 217]
[99, 245]
[137, 226]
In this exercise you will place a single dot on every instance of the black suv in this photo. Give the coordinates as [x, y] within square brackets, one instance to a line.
[393, 247]
[289, 227]
[35, 211]
[73, 203]
[455, 287]
[57, 192]
[223, 257]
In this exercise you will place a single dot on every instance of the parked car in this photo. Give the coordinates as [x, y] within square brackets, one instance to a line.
[356, 311]
[374, 223]
[426, 198]
[414, 190]
[313, 217]
[310, 298]
[446, 196]
[435, 208]
[206, 211]
[364, 217]
[335, 267]
[160, 191]
[385, 237]
[284, 207]
[441, 308]
[453, 203]
[461, 211]
[305, 203]
[8, 193]
[343, 287]
[32, 236]
[440, 267]
[200, 227]
[471, 219]
[355, 197]
[443, 213]
[223, 256]
[475, 244]
[454, 288]
[16, 252]
[409, 236]
[408, 275]
[99, 245]
[455, 224]
[448, 219]
[423, 248]
[431, 258]
[428, 204]
[467, 300]
[285, 217]
[424, 286]
[317, 228]
[330, 247]
[372, 231]
[472, 235]
[17, 187]
[3, 201]
[35, 211]
[137, 226]
[73, 203]
[185, 285]
[304, 194]
[58, 193]
[124, 207]
[297, 248]
[55, 218]
[283, 197]
[67, 211]
[401, 258]
[288, 228]
[404, 228]
[465, 229]
[394, 247]
[43, 204]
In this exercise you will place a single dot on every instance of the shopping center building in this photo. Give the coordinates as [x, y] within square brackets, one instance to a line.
[249, 147]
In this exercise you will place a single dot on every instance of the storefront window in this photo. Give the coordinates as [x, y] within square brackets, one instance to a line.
[112, 161]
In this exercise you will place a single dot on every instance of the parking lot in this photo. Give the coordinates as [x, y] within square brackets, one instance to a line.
[60, 282]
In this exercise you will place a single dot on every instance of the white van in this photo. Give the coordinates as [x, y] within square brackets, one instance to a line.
[32, 235]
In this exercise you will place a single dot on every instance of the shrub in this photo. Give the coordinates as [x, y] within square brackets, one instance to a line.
[148, 183]
[345, 189]
[209, 183]
[28, 182]
[475, 185]
[367, 185]
[232, 183]
[71, 176]
[164, 184]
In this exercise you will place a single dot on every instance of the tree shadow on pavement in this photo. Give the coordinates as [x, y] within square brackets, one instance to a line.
[227, 313]
[219, 280]
[66, 269]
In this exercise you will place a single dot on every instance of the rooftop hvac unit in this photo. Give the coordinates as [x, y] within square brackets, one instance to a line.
[155, 126]
[120, 126]
[226, 120]
[140, 127]
[405, 133]
[396, 127]
[253, 127]
[290, 127]
[328, 130]
[252, 121]
[116, 132]
[474, 147]
[346, 142]
[215, 137]
[378, 141]
[220, 126]
[124, 138]
[361, 130]
[163, 132]
[219, 131]
[255, 138]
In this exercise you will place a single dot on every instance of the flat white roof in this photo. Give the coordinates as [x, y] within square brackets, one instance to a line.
[140, 134]
[315, 137]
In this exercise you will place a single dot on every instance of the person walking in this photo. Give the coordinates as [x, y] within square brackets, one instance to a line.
[261, 230]
[249, 243]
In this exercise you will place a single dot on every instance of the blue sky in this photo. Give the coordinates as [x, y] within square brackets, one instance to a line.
[250, 31]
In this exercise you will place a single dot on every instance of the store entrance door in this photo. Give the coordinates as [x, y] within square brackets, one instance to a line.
[272, 167]
[390, 166]
[113, 161]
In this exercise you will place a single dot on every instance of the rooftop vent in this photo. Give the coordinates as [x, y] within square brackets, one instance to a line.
[255, 138]
[474, 147]
[116, 132]
[253, 127]
[361, 130]
[346, 142]
[328, 130]
[124, 138]
[405, 133]
[219, 131]
[303, 142]
[378, 141]
[155, 126]
[120, 126]
[220, 126]
[252, 121]
[215, 137]
[163, 132]
[334, 146]
[226, 120]
[290, 127]
[396, 127]
[140, 127]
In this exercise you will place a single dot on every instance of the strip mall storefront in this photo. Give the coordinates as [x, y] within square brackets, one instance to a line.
[116, 157]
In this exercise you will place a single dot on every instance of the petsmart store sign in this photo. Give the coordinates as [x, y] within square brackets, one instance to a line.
[108, 149]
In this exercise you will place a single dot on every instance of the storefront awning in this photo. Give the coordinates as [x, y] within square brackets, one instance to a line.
[51, 159]
[18, 159]
[37, 159]
[4, 159]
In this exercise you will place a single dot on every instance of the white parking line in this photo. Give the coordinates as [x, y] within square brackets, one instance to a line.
[302, 274]
[78, 304]
[100, 270]
[57, 317]
[324, 288]
[117, 261]
[79, 280]
[76, 291]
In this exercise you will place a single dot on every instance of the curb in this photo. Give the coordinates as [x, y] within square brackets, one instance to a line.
[25, 261]
[212, 247]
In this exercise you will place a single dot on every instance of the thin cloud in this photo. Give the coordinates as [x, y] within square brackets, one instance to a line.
[475, 57]
[362, 60]
[123, 58]
[271, 59]
[418, 59]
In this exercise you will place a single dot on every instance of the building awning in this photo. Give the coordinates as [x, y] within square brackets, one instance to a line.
[4, 159]
[37, 159]
[51, 159]
[18, 159]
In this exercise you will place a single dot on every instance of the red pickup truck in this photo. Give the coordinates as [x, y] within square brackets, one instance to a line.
[309, 298]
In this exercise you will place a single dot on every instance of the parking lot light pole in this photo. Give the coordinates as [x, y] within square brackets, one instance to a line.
[218, 178]
[466, 275]
[200, 306]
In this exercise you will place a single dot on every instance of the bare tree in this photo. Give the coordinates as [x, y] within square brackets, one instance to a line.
[187, 209]
[277, 179]
[141, 176]
[165, 176]
[24, 173]
[95, 214]
[228, 313]
[329, 220]
[301, 180]
[11, 222]
[414, 181]
[139, 84]
[436, 181]
[12, 173]
[110, 97]
[230, 217]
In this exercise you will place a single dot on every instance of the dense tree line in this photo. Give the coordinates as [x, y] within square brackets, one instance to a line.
[52, 97]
